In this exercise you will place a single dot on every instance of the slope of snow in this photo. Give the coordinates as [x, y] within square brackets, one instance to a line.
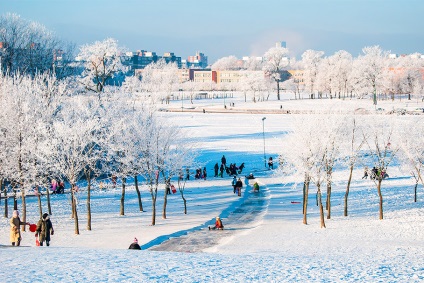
[269, 245]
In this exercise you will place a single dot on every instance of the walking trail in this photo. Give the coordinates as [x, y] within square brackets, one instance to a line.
[241, 218]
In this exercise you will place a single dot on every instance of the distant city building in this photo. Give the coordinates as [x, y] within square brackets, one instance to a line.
[281, 44]
[199, 61]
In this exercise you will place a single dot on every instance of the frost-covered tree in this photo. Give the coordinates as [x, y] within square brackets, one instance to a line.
[76, 143]
[371, 68]
[350, 150]
[382, 145]
[412, 148]
[102, 61]
[340, 67]
[160, 79]
[310, 62]
[227, 63]
[253, 64]
[275, 61]
[28, 47]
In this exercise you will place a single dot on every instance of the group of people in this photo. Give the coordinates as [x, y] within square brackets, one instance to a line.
[43, 229]
[57, 187]
[231, 170]
[375, 173]
[201, 174]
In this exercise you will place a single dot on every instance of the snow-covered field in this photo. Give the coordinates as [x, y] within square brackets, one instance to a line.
[264, 239]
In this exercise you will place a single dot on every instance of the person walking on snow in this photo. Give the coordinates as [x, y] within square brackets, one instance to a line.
[221, 170]
[44, 230]
[15, 228]
[216, 168]
[239, 186]
[234, 183]
[224, 160]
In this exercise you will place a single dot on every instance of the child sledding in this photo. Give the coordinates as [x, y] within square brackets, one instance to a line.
[218, 225]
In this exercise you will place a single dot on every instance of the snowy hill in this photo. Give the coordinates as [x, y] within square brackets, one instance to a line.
[264, 239]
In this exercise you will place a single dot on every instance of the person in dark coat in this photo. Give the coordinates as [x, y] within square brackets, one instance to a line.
[44, 229]
[224, 160]
[221, 170]
[239, 186]
[216, 169]
[270, 163]
[233, 183]
[135, 245]
[205, 173]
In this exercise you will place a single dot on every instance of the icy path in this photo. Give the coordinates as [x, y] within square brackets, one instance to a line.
[242, 218]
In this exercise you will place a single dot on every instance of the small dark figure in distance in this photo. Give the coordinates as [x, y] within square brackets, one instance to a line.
[256, 187]
[270, 163]
[44, 229]
[218, 225]
[233, 183]
[216, 168]
[239, 186]
[250, 176]
[365, 173]
[135, 245]
[241, 167]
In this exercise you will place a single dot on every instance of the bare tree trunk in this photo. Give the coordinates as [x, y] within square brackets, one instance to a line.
[305, 201]
[74, 209]
[49, 207]
[6, 210]
[328, 201]
[23, 208]
[380, 198]
[415, 191]
[40, 207]
[321, 208]
[140, 204]
[123, 197]
[278, 89]
[88, 177]
[153, 211]
[347, 190]
[165, 197]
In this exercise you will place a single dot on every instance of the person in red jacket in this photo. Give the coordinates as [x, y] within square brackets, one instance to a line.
[218, 224]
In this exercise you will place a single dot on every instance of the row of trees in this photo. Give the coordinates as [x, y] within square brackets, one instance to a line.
[30, 48]
[49, 131]
[346, 142]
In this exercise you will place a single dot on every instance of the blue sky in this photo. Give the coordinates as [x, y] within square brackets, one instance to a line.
[222, 28]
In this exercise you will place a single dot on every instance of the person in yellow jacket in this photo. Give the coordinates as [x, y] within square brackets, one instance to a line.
[15, 231]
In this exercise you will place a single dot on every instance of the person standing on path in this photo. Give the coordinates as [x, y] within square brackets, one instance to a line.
[216, 169]
[239, 186]
[234, 183]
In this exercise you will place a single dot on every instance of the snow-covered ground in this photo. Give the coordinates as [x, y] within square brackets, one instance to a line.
[264, 239]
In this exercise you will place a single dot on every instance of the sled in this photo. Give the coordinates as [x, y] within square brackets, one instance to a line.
[295, 202]
[173, 189]
[37, 242]
[32, 227]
